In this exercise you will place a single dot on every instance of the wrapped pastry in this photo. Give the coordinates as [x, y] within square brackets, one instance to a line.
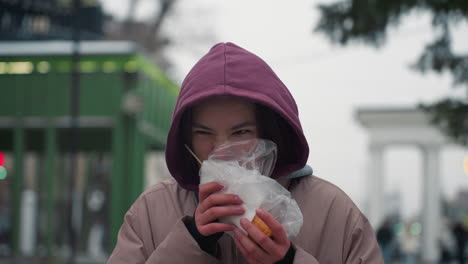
[258, 222]
[243, 168]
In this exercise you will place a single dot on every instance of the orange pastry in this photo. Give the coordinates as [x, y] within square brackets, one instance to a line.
[258, 222]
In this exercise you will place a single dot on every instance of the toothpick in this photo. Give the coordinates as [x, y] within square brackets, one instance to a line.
[193, 154]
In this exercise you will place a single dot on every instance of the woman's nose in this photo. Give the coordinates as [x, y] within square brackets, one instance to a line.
[219, 141]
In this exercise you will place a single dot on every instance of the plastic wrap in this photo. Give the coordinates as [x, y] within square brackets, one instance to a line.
[243, 168]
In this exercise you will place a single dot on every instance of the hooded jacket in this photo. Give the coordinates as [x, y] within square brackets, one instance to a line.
[229, 70]
[154, 230]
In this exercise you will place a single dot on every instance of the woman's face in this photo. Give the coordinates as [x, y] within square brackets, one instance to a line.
[218, 119]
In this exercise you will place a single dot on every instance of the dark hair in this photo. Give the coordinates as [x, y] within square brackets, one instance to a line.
[185, 133]
[271, 126]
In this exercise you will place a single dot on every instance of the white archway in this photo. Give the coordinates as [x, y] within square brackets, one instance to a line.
[405, 126]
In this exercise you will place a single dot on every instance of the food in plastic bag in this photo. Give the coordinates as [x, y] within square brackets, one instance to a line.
[243, 168]
[258, 222]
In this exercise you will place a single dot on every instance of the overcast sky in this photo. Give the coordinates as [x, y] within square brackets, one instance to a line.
[328, 82]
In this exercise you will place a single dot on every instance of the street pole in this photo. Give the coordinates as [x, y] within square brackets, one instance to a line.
[74, 129]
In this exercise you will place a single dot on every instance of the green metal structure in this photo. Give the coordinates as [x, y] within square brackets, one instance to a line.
[125, 108]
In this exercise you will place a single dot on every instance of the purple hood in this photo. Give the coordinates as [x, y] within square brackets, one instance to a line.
[228, 69]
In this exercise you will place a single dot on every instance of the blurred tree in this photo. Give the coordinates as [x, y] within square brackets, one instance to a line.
[146, 33]
[153, 39]
[368, 21]
[171, 26]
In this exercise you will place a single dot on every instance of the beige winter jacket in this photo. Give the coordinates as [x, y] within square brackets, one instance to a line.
[334, 229]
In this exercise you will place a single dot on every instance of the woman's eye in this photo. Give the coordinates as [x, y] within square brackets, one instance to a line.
[201, 132]
[241, 132]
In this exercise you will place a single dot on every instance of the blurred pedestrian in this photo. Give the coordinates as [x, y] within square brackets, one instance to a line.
[386, 239]
[460, 234]
[409, 244]
[446, 242]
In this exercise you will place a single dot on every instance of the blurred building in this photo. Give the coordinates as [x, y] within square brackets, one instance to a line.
[56, 202]
[49, 19]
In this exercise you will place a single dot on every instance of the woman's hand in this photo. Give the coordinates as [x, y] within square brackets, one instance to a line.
[259, 248]
[214, 205]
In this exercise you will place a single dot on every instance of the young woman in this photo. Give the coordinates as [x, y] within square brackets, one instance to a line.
[231, 94]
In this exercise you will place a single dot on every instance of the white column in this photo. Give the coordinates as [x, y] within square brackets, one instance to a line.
[29, 207]
[431, 204]
[28, 230]
[376, 185]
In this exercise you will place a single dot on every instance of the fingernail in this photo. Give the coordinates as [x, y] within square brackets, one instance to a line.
[236, 233]
[238, 199]
[239, 209]
[260, 211]
[244, 221]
